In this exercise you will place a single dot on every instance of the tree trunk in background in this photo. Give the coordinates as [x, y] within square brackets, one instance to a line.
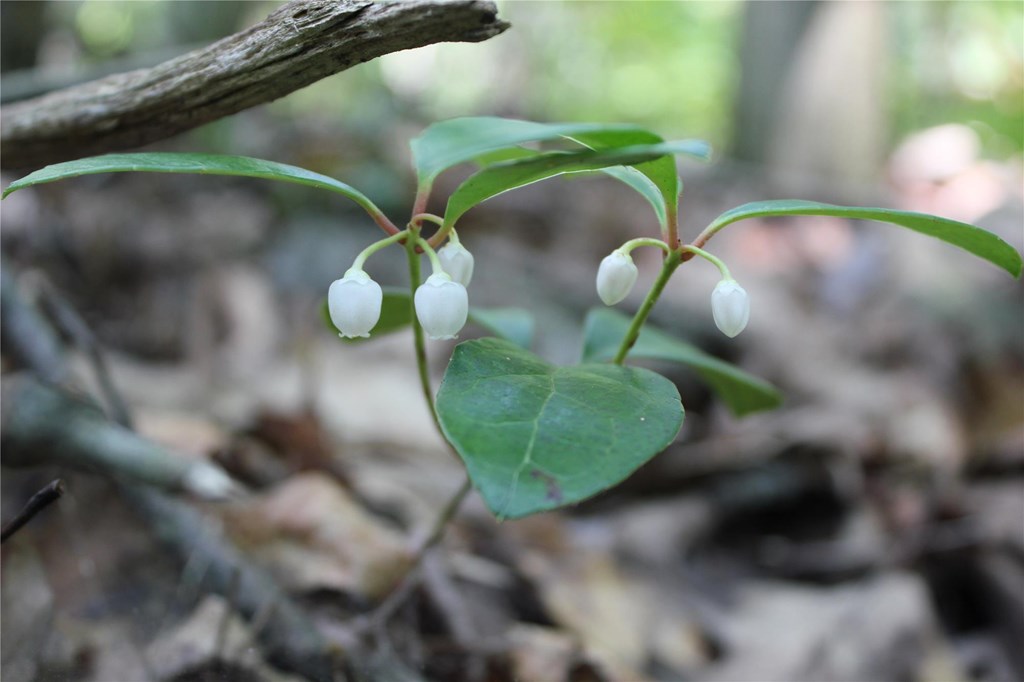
[772, 31]
[21, 24]
[831, 129]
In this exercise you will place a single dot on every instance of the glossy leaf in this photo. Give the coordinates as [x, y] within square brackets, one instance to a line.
[973, 239]
[458, 140]
[642, 184]
[201, 164]
[502, 177]
[514, 324]
[661, 172]
[744, 393]
[536, 437]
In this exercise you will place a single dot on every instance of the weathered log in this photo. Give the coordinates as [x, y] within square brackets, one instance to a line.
[296, 45]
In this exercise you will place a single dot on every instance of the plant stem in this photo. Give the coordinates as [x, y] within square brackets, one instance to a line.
[642, 241]
[436, 219]
[380, 616]
[671, 262]
[435, 262]
[419, 204]
[383, 221]
[417, 330]
[42, 499]
[377, 246]
[714, 260]
[672, 221]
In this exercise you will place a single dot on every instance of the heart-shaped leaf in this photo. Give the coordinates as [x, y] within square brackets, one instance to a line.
[536, 437]
[744, 393]
[202, 164]
[968, 237]
[502, 177]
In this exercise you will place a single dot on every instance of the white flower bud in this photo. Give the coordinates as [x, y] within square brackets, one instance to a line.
[457, 262]
[441, 306]
[730, 307]
[354, 302]
[616, 277]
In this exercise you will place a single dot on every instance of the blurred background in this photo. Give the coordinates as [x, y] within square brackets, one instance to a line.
[872, 528]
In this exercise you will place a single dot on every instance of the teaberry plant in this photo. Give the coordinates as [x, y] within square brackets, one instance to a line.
[534, 436]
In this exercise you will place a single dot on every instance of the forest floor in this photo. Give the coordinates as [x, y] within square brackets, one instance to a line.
[872, 528]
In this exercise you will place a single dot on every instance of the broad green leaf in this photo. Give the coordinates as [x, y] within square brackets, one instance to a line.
[536, 437]
[202, 164]
[502, 177]
[980, 242]
[514, 324]
[605, 328]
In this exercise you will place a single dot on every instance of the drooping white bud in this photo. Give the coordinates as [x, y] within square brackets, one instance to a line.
[441, 306]
[730, 307]
[354, 302]
[616, 277]
[457, 262]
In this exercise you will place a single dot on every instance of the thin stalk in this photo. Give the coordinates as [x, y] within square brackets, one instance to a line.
[435, 262]
[383, 221]
[421, 345]
[641, 241]
[436, 219]
[714, 260]
[438, 237]
[419, 204]
[357, 264]
[669, 265]
[672, 220]
[379, 617]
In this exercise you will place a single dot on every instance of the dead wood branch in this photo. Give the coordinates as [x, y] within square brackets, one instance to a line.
[39, 418]
[296, 45]
[41, 500]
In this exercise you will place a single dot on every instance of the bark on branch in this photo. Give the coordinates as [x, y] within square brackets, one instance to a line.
[296, 45]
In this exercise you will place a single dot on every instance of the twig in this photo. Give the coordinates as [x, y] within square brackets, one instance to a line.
[290, 639]
[42, 499]
[379, 617]
[298, 44]
[72, 324]
[229, 608]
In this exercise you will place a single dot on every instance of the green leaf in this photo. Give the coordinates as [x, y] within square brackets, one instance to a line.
[502, 177]
[661, 172]
[642, 184]
[605, 328]
[980, 242]
[536, 437]
[449, 143]
[514, 324]
[202, 164]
